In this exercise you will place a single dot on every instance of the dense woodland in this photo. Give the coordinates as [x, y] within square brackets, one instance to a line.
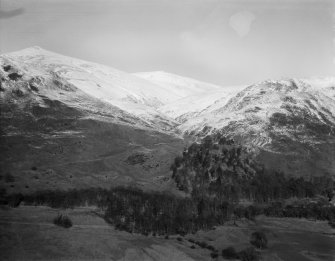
[133, 210]
[216, 175]
[218, 168]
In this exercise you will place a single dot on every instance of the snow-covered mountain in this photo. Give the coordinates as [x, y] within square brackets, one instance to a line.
[68, 80]
[192, 105]
[102, 82]
[195, 105]
[190, 96]
[71, 123]
[153, 97]
[261, 101]
[325, 85]
[178, 86]
[291, 122]
[59, 113]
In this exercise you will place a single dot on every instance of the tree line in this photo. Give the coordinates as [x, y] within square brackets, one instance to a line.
[215, 174]
[136, 211]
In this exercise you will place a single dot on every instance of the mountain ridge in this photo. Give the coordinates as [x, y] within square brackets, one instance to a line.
[55, 135]
[114, 118]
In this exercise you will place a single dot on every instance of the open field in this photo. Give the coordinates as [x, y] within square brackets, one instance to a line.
[28, 233]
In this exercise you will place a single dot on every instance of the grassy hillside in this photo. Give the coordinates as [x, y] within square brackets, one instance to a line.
[58, 146]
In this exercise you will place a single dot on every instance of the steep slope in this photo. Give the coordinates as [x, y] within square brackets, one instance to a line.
[178, 86]
[192, 105]
[190, 96]
[131, 94]
[195, 105]
[290, 122]
[59, 129]
[325, 85]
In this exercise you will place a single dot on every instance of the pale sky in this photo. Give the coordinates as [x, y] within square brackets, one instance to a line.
[226, 42]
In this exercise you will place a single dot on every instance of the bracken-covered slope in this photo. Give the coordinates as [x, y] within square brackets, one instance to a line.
[69, 123]
[290, 122]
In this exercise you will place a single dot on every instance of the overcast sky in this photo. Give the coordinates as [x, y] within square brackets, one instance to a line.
[224, 42]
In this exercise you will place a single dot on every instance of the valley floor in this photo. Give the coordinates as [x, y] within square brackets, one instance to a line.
[28, 233]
